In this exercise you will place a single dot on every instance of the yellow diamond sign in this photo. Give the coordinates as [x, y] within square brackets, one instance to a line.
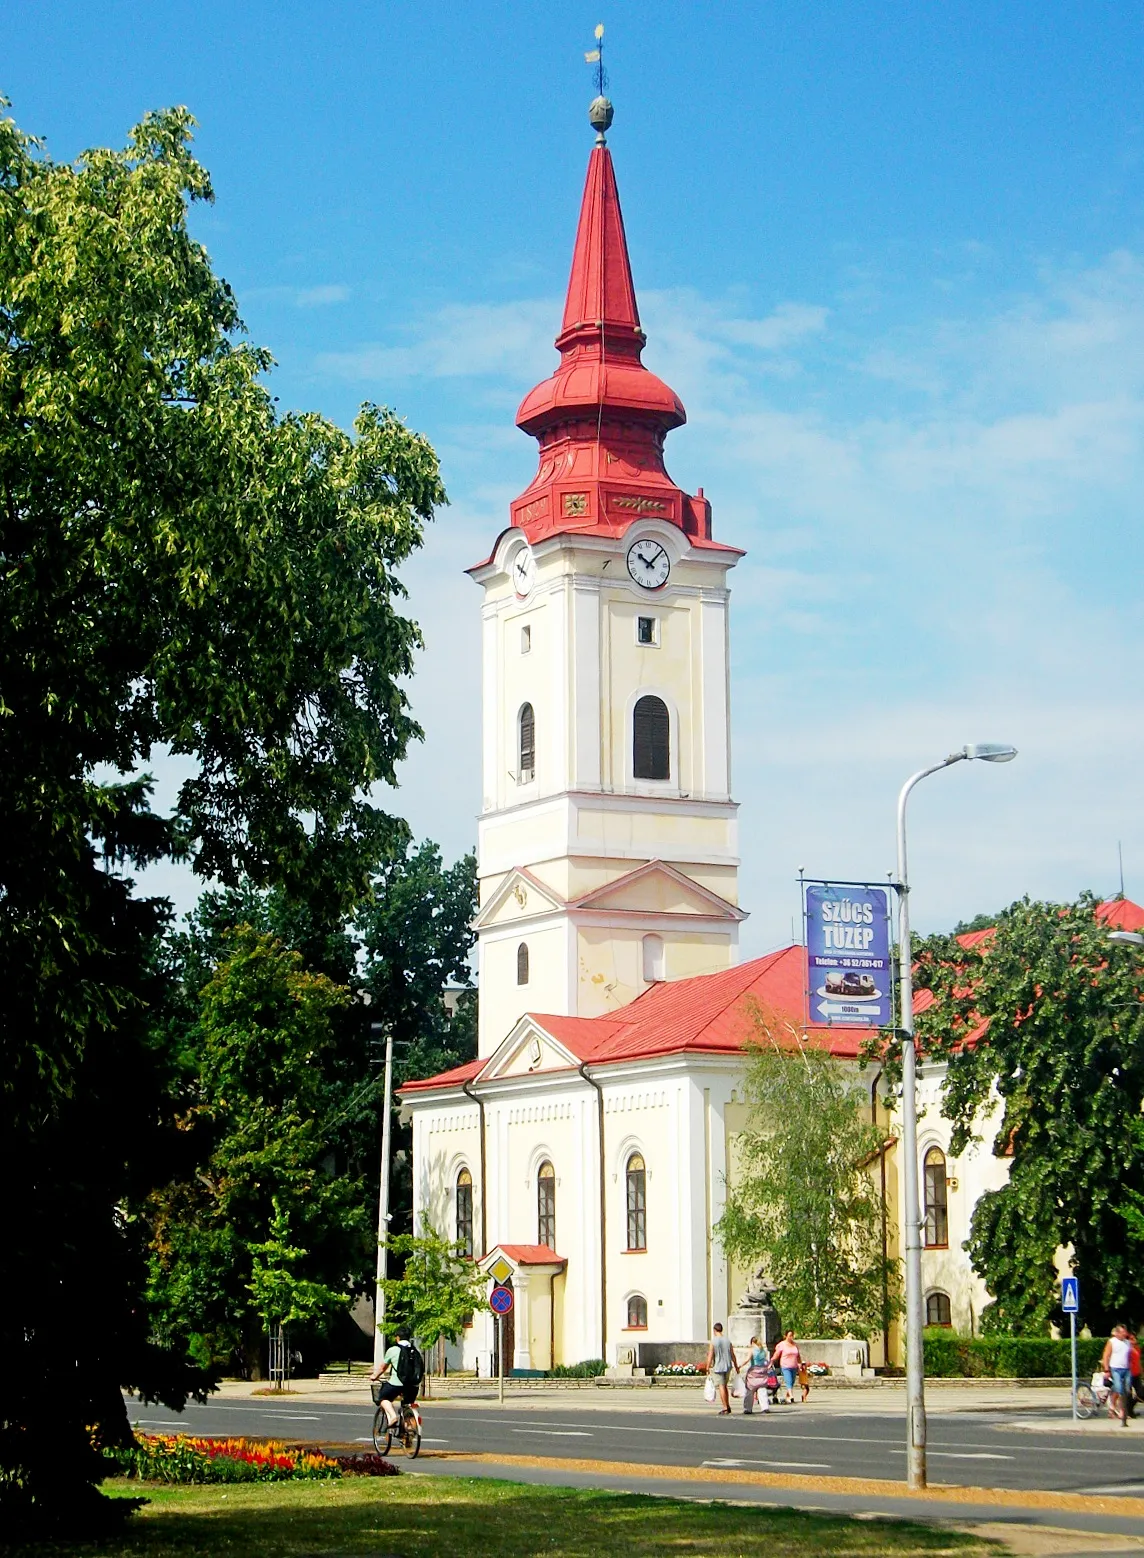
[500, 1269]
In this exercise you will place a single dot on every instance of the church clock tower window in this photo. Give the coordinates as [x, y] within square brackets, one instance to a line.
[522, 963]
[526, 720]
[651, 739]
[546, 1206]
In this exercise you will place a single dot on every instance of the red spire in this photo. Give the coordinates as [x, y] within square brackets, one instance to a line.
[601, 296]
[602, 417]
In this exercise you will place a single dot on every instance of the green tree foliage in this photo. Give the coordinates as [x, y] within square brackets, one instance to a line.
[258, 1132]
[438, 1289]
[802, 1201]
[282, 1297]
[1062, 1070]
[416, 934]
[179, 567]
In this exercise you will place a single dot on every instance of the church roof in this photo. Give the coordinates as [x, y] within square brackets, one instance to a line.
[712, 1014]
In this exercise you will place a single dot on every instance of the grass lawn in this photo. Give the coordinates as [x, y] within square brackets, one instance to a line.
[398, 1517]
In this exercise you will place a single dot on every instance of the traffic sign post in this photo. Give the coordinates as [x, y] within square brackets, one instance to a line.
[500, 1302]
[1070, 1303]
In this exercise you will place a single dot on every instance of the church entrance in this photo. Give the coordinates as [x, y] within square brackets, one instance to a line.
[508, 1329]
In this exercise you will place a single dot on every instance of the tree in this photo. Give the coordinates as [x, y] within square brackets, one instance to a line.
[1057, 1078]
[438, 1290]
[180, 567]
[416, 934]
[260, 1122]
[802, 1201]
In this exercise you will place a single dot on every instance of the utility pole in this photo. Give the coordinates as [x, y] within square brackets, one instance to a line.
[383, 1196]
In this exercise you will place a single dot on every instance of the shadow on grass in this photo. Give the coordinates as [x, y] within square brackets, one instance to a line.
[412, 1516]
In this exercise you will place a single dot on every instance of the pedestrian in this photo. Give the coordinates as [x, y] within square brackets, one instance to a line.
[789, 1360]
[1135, 1382]
[1116, 1362]
[721, 1364]
[755, 1378]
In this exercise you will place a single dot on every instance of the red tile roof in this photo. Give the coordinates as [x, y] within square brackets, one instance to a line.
[452, 1078]
[531, 1254]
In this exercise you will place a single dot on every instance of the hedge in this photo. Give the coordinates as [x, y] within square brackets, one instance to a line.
[591, 1368]
[1007, 1357]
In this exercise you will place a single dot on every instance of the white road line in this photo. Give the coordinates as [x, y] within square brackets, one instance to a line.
[292, 1417]
[556, 1433]
[781, 1465]
[156, 1422]
[964, 1455]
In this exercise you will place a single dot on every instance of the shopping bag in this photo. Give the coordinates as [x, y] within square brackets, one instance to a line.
[737, 1386]
[709, 1389]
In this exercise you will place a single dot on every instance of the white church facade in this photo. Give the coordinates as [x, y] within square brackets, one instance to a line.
[590, 1143]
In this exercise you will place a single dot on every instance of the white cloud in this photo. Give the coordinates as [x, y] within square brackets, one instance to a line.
[321, 297]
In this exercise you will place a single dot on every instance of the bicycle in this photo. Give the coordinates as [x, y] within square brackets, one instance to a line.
[406, 1431]
[1090, 1398]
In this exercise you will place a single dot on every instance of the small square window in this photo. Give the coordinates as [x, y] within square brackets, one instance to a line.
[645, 630]
[525, 639]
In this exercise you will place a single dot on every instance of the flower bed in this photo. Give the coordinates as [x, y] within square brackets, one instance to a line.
[681, 1368]
[183, 1458]
[818, 1370]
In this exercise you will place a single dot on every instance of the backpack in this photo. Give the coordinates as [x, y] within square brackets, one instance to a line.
[410, 1368]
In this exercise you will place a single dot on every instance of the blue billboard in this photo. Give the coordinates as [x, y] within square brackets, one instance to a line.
[849, 969]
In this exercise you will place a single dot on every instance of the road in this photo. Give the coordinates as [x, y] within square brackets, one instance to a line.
[980, 1449]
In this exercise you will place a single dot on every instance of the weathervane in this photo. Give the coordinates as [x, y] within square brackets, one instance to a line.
[601, 113]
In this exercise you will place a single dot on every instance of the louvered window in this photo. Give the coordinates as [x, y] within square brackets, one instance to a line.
[522, 963]
[526, 769]
[651, 739]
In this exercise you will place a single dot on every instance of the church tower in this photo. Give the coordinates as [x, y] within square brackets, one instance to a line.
[608, 852]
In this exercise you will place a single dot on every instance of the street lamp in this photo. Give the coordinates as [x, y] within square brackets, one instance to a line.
[986, 752]
[1130, 938]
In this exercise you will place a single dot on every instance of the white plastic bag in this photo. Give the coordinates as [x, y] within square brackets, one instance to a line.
[737, 1386]
[709, 1389]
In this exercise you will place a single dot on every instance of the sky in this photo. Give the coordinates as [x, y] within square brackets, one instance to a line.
[891, 258]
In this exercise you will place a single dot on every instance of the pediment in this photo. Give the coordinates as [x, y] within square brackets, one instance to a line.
[659, 888]
[521, 896]
[528, 1048]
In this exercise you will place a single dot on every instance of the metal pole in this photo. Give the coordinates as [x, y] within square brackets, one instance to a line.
[383, 1207]
[1072, 1349]
[500, 1359]
[915, 1316]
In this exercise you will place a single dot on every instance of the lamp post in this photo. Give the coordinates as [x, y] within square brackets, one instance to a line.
[988, 752]
[383, 1199]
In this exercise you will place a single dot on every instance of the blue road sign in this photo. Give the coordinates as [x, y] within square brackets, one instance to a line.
[1070, 1295]
[500, 1300]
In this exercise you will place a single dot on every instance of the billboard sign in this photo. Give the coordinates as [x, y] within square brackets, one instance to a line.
[849, 969]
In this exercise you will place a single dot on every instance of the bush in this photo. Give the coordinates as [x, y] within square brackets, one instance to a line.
[948, 1356]
[591, 1368]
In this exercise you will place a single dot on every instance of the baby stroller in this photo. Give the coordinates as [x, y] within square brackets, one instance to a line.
[762, 1384]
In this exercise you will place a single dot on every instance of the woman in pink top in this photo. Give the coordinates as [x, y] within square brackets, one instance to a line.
[789, 1359]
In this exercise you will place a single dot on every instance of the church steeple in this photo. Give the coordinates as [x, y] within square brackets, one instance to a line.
[602, 417]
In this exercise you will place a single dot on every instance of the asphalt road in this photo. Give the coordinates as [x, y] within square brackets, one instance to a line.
[978, 1449]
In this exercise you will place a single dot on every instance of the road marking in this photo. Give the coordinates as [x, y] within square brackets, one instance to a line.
[780, 1465]
[556, 1433]
[156, 1422]
[1121, 1487]
[292, 1417]
[964, 1455]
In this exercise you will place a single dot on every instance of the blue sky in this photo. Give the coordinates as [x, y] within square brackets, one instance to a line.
[892, 259]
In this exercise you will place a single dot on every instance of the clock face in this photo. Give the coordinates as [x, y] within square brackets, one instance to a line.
[523, 572]
[648, 563]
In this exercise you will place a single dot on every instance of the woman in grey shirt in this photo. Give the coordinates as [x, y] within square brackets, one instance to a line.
[721, 1363]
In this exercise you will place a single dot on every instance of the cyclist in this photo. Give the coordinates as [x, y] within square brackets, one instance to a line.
[403, 1370]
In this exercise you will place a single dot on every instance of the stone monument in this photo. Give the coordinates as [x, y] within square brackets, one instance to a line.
[756, 1315]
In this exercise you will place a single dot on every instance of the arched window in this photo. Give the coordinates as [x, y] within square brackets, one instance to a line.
[526, 726]
[938, 1310]
[637, 1312]
[651, 739]
[546, 1205]
[522, 963]
[637, 1203]
[465, 1211]
[936, 1200]
[653, 959]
